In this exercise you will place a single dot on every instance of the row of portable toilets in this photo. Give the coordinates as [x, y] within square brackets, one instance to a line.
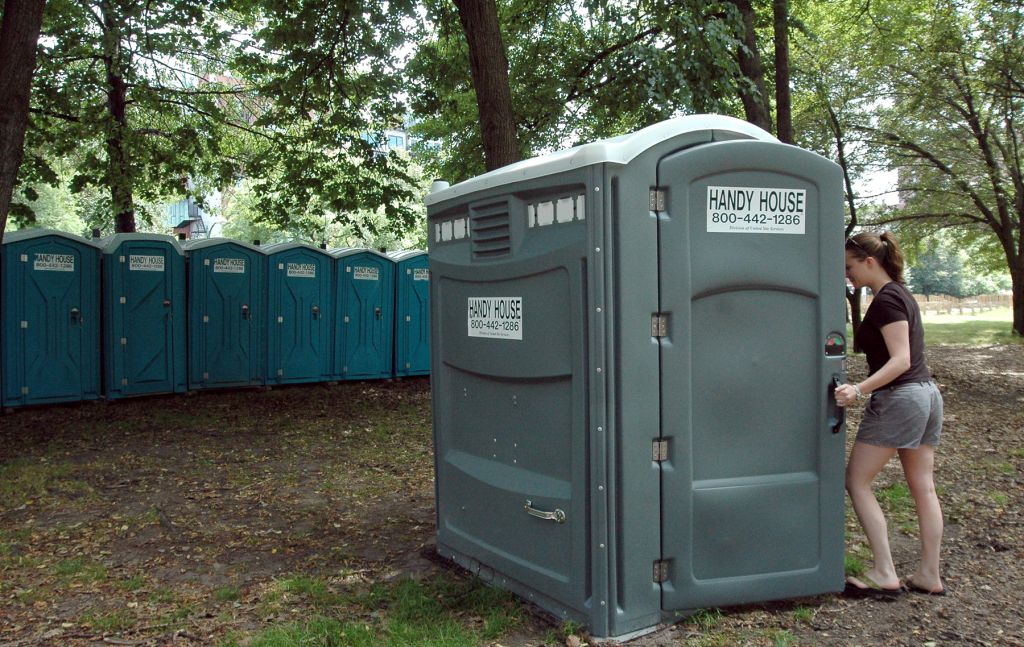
[137, 314]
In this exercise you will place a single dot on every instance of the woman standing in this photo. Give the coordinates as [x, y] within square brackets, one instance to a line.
[903, 416]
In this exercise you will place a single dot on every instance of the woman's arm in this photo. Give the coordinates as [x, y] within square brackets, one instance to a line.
[897, 342]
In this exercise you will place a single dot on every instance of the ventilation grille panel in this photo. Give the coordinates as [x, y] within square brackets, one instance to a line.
[489, 230]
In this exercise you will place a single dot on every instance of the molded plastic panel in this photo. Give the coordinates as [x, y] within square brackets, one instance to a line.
[412, 313]
[301, 314]
[365, 327]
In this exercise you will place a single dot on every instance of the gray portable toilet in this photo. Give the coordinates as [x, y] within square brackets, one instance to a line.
[227, 313]
[49, 318]
[144, 348]
[634, 348]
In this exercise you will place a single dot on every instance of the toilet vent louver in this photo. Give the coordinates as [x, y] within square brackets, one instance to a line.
[489, 231]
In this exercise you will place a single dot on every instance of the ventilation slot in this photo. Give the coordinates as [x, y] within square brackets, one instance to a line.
[490, 231]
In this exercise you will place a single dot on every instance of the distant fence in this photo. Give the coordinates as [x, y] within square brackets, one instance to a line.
[943, 304]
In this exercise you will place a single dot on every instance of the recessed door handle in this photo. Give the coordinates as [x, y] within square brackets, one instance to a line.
[556, 515]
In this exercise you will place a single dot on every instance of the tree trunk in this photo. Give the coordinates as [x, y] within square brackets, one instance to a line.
[1017, 288]
[19, 34]
[753, 92]
[783, 108]
[489, 67]
[118, 165]
[854, 298]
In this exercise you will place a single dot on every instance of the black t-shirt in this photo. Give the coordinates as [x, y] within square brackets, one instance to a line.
[893, 303]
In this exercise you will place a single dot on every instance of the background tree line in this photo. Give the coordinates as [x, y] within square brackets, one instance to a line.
[284, 101]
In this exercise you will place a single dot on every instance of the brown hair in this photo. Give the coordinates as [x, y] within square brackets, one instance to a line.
[882, 247]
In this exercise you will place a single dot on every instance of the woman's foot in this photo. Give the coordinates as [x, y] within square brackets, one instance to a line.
[918, 584]
[866, 587]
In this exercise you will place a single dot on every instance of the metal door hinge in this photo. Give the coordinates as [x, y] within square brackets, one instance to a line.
[659, 325]
[661, 569]
[659, 451]
[658, 197]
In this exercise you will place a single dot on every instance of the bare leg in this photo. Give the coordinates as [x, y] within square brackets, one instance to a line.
[919, 467]
[866, 461]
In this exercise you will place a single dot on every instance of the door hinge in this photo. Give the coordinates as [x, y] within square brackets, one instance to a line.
[657, 203]
[661, 568]
[659, 325]
[660, 450]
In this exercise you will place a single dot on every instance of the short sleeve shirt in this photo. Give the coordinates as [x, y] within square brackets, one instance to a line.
[893, 303]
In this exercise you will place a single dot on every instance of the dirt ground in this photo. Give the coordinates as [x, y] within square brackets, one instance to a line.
[173, 519]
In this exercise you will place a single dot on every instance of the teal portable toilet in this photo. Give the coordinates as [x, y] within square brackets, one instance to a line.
[227, 313]
[635, 343]
[412, 313]
[143, 315]
[365, 310]
[49, 318]
[300, 314]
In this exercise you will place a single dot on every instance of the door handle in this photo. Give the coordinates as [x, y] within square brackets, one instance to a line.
[316, 312]
[376, 311]
[837, 414]
[557, 515]
[76, 317]
[167, 303]
[245, 311]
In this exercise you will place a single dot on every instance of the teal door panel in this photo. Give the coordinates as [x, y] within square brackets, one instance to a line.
[144, 297]
[366, 283]
[50, 319]
[300, 315]
[751, 278]
[226, 315]
[412, 316]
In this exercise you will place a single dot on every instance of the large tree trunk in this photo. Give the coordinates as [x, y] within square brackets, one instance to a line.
[118, 164]
[755, 99]
[489, 67]
[783, 108]
[1017, 288]
[19, 34]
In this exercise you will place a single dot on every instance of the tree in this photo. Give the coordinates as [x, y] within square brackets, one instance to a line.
[19, 32]
[578, 72]
[955, 91]
[937, 273]
[752, 89]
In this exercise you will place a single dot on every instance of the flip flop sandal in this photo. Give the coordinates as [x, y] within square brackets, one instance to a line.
[913, 588]
[853, 591]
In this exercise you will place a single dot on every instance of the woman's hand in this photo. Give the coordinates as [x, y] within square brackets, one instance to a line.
[846, 395]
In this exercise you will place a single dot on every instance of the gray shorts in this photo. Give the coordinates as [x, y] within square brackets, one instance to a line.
[903, 416]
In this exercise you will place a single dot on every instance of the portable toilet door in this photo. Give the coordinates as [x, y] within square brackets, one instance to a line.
[412, 312]
[144, 316]
[365, 314]
[50, 312]
[300, 314]
[635, 343]
[227, 313]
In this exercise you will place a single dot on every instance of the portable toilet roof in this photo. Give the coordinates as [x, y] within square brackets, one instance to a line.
[227, 296]
[365, 311]
[604, 320]
[300, 314]
[412, 312]
[49, 317]
[144, 343]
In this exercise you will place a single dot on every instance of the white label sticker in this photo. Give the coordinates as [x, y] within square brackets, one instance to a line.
[740, 210]
[365, 273]
[302, 270]
[495, 317]
[54, 263]
[139, 263]
[229, 265]
[420, 274]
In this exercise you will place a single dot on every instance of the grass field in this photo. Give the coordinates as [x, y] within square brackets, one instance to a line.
[978, 329]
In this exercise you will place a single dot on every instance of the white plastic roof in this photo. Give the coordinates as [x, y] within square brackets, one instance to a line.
[341, 252]
[201, 243]
[618, 150]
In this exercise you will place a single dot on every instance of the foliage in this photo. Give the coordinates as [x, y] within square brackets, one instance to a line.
[579, 72]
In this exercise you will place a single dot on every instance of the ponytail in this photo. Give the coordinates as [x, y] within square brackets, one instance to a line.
[882, 247]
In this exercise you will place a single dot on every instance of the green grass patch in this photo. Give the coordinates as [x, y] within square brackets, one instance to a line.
[895, 497]
[854, 566]
[999, 498]
[315, 589]
[437, 612]
[803, 614]
[163, 596]
[782, 638]
[24, 478]
[980, 329]
[109, 622]
[705, 619]
[133, 583]
[227, 594]
[1017, 453]
[81, 570]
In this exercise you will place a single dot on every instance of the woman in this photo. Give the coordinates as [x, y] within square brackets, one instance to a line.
[902, 416]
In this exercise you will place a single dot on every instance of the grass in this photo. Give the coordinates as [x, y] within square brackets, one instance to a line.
[109, 622]
[80, 570]
[453, 612]
[981, 329]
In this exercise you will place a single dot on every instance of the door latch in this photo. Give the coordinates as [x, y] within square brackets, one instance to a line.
[557, 515]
